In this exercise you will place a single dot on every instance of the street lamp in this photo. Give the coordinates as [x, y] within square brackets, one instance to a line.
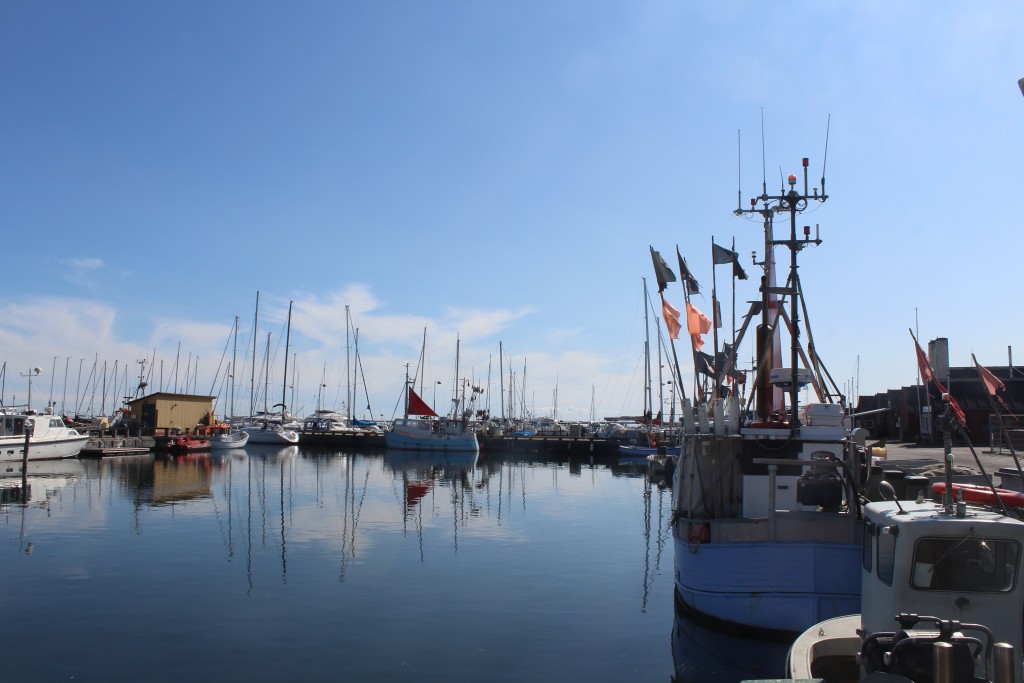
[433, 403]
[34, 372]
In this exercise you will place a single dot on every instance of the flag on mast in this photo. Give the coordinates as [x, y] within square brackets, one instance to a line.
[929, 376]
[696, 324]
[671, 315]
[992, 383]
[720, 255]
[684, 272]
[661, 271]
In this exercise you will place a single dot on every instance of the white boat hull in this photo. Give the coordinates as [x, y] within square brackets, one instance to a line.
[227, 441]
[271, 436]
[12, 449]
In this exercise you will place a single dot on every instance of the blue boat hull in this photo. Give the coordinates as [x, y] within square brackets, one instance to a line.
[767, 586]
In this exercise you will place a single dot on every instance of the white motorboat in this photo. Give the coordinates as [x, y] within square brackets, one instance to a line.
[47, 436]
[941, 593]
[271, 433]
[228, 439]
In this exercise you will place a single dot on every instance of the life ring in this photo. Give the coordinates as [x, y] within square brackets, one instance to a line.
[976, 493]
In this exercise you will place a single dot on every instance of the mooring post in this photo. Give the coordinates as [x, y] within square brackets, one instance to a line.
[24, 470]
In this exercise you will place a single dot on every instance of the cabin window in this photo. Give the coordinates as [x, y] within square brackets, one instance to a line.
[966, 564]
[886, 553]
[868, 545]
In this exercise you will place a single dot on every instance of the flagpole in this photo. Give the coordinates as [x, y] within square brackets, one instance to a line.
[697, 395]
[732, 350]
[999, 416]
[716, 317]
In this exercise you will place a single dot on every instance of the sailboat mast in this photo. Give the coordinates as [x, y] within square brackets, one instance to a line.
[455, 386]
[231, 391]
[252, 380]
[647, 360]
[284, 376]
[266, 380]
[349, 394]
[501, 378]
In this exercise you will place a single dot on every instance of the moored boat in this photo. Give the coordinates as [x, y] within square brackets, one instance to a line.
[228, 439]
[187, 444]
[271, 433]
[426, 434]
[766, 515]
[47, 437]
[942, 594]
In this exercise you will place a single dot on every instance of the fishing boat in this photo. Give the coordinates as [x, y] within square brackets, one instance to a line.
[428, 431]
[46, 436]
[941, 592]
[766, 516]
[422, 429]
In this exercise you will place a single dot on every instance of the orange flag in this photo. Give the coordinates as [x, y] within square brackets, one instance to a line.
[671, 315]
[696, 324]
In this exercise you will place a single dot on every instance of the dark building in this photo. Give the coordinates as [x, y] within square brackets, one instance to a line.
[910, 413]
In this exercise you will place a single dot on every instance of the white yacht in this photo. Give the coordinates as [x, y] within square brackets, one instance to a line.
[47, 436]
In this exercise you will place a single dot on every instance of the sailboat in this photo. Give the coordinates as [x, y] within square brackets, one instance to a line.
[767, 519]
[267, 430]
[428, 431]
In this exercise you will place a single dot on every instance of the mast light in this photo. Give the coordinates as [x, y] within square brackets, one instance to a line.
[792, 180]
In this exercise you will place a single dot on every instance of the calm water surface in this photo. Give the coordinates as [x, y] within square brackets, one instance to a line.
[303, 565]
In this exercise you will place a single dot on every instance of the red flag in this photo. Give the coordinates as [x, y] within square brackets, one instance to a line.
[991, 382]
[417, 406]
[671, 315]
[923, 364]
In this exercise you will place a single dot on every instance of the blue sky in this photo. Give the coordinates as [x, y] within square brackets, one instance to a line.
[494, 171]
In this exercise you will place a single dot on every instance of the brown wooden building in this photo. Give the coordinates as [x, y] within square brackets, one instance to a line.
[163, 410]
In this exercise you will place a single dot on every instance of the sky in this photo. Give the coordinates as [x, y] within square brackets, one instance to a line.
[485, 176]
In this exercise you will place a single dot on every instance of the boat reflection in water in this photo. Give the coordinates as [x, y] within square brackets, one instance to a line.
[702, 654]
[40, 482]
[423, 473]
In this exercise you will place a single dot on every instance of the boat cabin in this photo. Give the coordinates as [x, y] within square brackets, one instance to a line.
[962, 565]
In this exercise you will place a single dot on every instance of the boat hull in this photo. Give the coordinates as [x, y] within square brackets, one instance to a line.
[463, 443]
[12, 449]
[228, 441]
[275, 438]
[767, 586]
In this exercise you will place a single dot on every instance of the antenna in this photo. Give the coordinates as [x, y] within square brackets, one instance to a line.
[739, 182]
[824, 160]
[764, 174]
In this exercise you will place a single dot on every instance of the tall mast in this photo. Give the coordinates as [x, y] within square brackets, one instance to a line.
[266, 380]
[231, 375]
[501, 378]
[647, 360]
[794, 203]
[349, 394]
[252, 381]
[284, 376]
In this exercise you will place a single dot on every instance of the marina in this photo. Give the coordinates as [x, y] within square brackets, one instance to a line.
[309, 564]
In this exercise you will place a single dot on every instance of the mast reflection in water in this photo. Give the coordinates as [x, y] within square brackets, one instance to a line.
[294, 564]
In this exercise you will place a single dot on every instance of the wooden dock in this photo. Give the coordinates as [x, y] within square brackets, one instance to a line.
[104, 447]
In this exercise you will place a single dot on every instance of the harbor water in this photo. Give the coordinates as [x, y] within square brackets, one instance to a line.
[293, 564]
